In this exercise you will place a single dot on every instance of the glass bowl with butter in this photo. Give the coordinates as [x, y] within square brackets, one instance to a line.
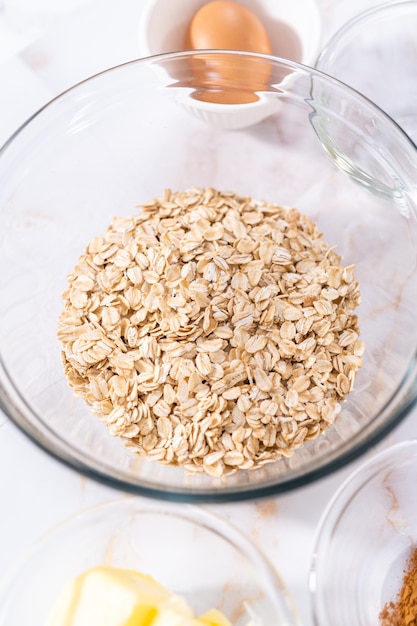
[197, 313]
[135, 562]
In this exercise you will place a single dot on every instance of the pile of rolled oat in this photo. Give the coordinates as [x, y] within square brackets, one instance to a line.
[212, 331]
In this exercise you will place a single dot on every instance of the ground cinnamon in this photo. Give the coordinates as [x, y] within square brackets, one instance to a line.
[403, 610]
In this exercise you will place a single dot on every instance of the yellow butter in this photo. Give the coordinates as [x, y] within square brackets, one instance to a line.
[214, 618]
[111, 596]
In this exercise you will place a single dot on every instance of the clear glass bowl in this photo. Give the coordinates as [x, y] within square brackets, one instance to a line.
[190, 551]
[364, 540]
[375, 53]
[121, 138]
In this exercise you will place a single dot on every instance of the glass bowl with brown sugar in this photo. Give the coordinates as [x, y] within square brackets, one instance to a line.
[364, 568]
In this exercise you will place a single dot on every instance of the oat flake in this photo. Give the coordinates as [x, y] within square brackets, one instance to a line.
[212, 331]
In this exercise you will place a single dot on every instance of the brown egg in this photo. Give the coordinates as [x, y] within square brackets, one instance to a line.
[227, 25]
[223, 24]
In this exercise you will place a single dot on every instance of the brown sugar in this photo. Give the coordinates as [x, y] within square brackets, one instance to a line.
[403, 610]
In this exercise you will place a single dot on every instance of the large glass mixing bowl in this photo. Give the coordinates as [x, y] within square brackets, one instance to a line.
[121, 138]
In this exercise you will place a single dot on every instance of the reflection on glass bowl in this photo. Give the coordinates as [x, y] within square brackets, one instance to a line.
[118, 140]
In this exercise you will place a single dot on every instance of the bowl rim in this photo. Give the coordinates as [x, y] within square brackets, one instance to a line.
[190, 513]
[340, 501]
[312, 70]
[80, 462]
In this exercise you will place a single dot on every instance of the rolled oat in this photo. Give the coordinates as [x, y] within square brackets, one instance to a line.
[212, 331]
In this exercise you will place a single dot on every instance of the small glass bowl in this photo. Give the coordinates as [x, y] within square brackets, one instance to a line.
[375, 52]
[190, 551]
[364, 540]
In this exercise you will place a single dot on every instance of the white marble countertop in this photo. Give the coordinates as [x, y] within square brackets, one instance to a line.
[37, 492]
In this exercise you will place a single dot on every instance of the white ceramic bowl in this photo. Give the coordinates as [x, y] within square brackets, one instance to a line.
[294, 30]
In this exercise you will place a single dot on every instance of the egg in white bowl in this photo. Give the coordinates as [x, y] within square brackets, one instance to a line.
[277, 27]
